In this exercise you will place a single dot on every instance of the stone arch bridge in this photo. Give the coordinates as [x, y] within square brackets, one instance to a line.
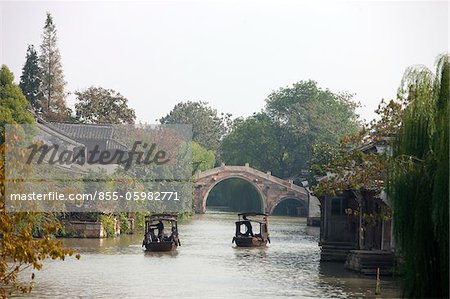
[272, 190]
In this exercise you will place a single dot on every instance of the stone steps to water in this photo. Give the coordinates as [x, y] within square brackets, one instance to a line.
[335, 251]
[368, 261]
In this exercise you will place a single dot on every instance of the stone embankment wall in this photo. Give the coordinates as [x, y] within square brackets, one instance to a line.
[85, 229]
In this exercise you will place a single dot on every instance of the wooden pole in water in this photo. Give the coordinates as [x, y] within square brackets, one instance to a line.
[377, 288]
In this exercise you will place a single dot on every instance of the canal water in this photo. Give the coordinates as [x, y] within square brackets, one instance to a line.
[207, 265]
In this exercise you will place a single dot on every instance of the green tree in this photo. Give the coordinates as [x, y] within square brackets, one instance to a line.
[13, 104]
[30, 81]
[103, 106]
[351, 167]
[256, 140]
[52, 87]
[19, 249]
[202, 159]
[281, 137]
[208, 127]
[322, 155]
[419, 182]
[313, 114]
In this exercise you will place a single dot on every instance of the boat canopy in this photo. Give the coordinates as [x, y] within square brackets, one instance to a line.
[249, 220]
[155, 217]
[252, 214]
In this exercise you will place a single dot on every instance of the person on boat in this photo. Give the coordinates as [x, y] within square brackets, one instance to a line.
[248, 224]
[145, 239]
[160, 227]
[173, 234]
[152, 235]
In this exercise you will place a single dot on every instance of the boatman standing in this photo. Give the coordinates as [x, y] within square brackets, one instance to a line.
[160, 227]
[248, 224]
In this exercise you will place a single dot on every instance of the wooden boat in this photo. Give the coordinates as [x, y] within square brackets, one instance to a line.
[245, 237]
[161, 241]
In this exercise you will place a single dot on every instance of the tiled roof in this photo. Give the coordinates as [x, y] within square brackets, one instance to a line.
[112, 144]
[58, 134]
[78, 134]
[83, 131]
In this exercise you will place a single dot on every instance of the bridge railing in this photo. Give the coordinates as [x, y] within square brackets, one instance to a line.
[268, 176]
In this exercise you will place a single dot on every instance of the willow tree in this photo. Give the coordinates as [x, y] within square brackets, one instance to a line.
[419, 182]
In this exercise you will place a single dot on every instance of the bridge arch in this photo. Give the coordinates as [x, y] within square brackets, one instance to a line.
[276, 203]
[262, 198]
[272, 190]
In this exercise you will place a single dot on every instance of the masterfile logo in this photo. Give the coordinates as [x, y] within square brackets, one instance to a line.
[88, 168]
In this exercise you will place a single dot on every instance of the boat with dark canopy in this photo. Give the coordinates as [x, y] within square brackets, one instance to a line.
[245, 236]
[161, 241]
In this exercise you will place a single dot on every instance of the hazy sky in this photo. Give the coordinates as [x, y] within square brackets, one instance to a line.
[231, 54]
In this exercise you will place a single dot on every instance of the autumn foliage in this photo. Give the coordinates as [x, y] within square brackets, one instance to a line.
[26, 238]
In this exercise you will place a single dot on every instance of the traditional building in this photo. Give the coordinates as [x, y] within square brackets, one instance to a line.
[356, 227]
[85, 138]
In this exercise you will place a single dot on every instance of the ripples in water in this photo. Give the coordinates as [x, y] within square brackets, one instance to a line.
[207, 265]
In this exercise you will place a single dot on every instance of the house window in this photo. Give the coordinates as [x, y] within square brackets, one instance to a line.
[338, 206]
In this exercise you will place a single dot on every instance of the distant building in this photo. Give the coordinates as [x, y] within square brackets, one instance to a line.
[83, 138]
